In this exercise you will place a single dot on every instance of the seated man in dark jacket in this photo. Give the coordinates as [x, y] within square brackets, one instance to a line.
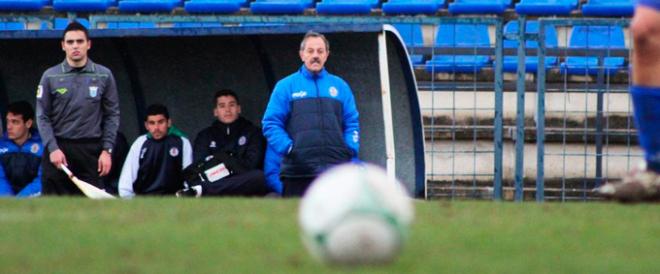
[227, 155]
[155, 162]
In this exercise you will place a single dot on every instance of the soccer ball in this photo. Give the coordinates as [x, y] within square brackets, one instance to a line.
[355, 214]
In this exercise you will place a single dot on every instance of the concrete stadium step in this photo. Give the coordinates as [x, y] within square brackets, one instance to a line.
[552, 134]
[554, 191]
[470, 163]
[464, 113]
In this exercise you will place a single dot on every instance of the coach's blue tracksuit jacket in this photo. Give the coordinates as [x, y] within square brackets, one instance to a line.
[20, 170]
[312, 120]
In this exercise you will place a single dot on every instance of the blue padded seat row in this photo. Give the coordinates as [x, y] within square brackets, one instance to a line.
[412, 37]
[214, 6]
[280, 6]
[594, 37]
[255, 24]
[148, 5]
[130, 25]
[12, 25]
[82, 5]
[413, 6]
[546, 7]
[615, 8]
[346, 6]
[23, 5]
[477, 7]
[460, 36]
[510, 63]
[61, 23]
[197, 25]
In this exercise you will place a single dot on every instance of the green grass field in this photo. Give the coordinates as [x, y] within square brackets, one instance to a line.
[75, 235]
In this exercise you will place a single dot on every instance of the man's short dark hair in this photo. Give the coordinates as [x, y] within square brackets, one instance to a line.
[73, 26]
[22, 108]
[225, 92]
[157, 109]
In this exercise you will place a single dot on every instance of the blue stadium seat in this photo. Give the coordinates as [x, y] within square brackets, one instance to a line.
[83, 5]
[214, 6]
[148, 5]
[477, 7]
[280, 6]
[346, 6]
[510, 63]
[593, 37]
[23, 5]
[61, 23]
[131, 25]
[460, 36]
[615, 8]
[12, 25]
[413, 6]
[546, 7]
[412, 36]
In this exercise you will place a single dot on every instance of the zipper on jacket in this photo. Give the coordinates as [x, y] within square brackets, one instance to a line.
[320, 110]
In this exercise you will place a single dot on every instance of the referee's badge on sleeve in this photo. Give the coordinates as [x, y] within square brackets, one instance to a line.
[40, 91]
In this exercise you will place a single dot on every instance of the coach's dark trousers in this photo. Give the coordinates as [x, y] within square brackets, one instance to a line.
[295, 186]
[82, 156]
[250, 183]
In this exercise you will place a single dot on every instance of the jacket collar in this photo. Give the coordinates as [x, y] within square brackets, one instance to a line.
[308, 74]
[34, 137]
[229, 128]
[89, 66]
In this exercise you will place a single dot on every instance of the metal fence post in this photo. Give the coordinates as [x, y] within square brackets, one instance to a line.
[540, 115]
[499, 108]
[520, 113]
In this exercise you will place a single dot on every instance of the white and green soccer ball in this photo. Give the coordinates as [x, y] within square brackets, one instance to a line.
[355, 214]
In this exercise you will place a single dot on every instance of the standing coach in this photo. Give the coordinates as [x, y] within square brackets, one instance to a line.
[311, 119]
[77, 115]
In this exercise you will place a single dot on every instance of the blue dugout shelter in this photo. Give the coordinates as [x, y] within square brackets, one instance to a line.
[182, 68]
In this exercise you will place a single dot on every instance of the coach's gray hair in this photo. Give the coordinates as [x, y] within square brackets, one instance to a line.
[311, 34]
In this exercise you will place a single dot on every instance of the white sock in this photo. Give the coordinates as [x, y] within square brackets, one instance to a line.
[198, 190]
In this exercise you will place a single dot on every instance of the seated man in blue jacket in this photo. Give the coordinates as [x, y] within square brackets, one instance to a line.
[228, 155]
[311, 119]
[20, 153]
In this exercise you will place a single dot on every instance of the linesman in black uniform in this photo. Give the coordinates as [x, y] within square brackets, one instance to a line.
[78, 116]
[155, 161]
[240, 146]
